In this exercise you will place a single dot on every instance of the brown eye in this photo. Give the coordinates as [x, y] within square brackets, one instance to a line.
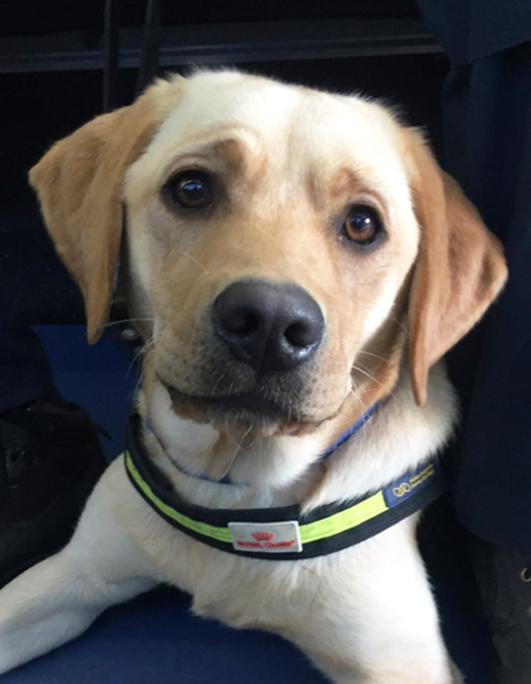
[362, 224]
[190, 189]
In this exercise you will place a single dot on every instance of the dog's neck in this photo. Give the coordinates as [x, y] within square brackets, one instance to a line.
[254, 463]
[247, 443]
[284, 469]
[250, 457]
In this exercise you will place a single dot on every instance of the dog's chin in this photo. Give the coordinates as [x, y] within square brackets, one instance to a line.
[247, 410]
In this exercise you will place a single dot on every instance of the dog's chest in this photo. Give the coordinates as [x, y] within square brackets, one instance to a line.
[244, 592]
[276, 594]
[254, 592]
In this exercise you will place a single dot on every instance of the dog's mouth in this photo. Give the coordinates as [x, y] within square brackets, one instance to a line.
[247, 407]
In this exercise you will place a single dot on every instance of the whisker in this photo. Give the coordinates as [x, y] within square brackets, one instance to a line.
[239, 447]
[196, 261]
[371, 377]
[376, 356]
[400, 323]
[134, 361]
[109, 324]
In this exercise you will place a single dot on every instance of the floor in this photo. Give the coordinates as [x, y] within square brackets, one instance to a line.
[154, 637]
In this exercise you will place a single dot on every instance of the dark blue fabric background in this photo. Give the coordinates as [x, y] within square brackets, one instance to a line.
[487, 107]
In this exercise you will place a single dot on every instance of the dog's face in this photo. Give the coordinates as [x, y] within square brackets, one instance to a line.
[270, 235]
[279, 242]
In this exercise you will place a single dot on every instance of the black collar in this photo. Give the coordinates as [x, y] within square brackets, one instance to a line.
[281, 533]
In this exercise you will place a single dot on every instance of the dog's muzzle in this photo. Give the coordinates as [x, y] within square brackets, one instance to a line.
[263, 340]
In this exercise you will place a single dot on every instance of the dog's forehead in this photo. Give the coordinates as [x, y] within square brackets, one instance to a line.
[308, 138]
[309, 128]
[222, 99]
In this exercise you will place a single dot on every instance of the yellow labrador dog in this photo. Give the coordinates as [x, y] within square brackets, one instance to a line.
[297, 264]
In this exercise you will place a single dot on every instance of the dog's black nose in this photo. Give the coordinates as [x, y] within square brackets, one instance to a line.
[272, 327]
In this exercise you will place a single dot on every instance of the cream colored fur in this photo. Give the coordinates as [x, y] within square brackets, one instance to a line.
[290, 159]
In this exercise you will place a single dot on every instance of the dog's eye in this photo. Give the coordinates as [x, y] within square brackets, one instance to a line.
[190, 189]
[362, 224]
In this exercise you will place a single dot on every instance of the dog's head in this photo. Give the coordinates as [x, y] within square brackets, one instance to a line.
[281, 245]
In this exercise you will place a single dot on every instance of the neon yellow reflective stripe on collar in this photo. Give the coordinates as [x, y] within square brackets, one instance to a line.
[310, 532]
[220, 533]
[282, 533]
[344, 520]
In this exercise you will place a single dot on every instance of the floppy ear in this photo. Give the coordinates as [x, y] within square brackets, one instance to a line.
[79, 184]
[460, 269]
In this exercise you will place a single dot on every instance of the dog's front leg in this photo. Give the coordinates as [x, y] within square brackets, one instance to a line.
[397, 661]
[372, 621]
[351, 675]
[57, 599]
[339, 676]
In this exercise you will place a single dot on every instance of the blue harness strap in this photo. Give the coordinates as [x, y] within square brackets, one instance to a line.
[331, 449]
[348, 434]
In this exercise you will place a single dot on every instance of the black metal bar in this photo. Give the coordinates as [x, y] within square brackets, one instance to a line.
[151, 46]
[226, 43]
[111, 54]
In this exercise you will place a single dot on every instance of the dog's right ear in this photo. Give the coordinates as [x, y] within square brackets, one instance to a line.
[79, 184]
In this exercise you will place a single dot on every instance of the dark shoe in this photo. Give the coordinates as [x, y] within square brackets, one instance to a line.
[504, 579]
[50, 460]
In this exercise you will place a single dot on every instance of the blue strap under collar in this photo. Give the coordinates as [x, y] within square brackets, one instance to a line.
[326, 454]
[348, 434]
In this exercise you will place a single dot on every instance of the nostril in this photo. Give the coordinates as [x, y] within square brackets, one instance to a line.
[300, 335]
[241, 322]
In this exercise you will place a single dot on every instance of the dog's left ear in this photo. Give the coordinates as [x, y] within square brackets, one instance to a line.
[79, 183]
[460, 268]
